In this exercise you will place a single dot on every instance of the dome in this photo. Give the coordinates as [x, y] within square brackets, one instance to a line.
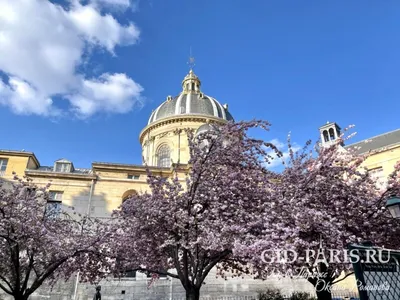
[191, 101]
[206, 127]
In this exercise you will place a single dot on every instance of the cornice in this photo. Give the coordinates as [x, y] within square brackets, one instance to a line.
[178, 119]
[116, 167]
[60, 175]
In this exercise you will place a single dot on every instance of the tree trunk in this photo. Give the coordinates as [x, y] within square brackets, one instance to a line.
[324, 295]
[192, 293]
[323, 289]
[20, 297]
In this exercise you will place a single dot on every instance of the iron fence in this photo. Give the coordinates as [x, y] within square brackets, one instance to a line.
[378, 276]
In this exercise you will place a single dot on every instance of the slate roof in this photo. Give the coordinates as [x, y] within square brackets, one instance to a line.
[377, 143]
[190, 104]
[51, 169]
[191, 101]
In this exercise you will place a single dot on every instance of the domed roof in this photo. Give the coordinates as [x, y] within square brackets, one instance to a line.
[191, 101]
[206, 127]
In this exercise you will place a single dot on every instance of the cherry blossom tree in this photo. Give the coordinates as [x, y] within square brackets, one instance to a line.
[232, 209]
[37, 246]
[194, 225]
[321, 202]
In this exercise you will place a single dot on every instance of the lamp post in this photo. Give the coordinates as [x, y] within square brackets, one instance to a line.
[393, 205]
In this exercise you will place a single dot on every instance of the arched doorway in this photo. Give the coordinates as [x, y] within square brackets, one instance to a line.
[128, 194]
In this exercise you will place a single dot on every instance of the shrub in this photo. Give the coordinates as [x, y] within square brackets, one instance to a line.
[270, 294]
[301, 296]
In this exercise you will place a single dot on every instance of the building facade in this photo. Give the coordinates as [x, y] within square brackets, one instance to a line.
[102, 188]
[98, 190]
[383, 151]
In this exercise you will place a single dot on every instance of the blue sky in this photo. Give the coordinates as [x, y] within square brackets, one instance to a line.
[297, 64]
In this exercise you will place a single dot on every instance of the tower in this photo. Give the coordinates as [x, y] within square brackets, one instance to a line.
[329, 132]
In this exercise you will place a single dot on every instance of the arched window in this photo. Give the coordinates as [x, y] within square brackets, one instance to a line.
[326, 137]
[331, 134]
[163, 156]
[128, 194]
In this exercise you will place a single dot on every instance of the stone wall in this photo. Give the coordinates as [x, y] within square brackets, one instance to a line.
[167, 288]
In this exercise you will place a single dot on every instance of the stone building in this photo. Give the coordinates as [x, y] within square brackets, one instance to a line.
[98, 190]
[383, 149]
[103, 187]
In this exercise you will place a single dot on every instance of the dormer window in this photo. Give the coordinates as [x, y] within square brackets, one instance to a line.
[63, 166]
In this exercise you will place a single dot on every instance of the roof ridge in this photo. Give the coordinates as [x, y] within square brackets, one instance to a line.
[373, 137]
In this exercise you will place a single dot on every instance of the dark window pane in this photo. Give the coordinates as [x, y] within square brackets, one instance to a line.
[53, 209]
[164, 156]
[3, 164]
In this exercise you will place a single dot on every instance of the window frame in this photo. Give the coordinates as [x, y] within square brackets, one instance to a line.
[163, 156]
[65, 167]
[54, 203]
[58, 195]
[3, 165]
[53, 208]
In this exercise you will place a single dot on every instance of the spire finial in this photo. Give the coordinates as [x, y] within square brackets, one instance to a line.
[191, 61]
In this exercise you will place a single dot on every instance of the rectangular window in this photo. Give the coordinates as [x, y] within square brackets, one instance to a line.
[62, 167]
[3, 165]
[136, 177]
[56, 195]
[53, 207]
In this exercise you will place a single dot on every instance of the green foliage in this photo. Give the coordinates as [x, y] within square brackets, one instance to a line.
[301, 296]
[270, 294]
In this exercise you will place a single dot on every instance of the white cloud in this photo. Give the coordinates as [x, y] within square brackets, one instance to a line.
[277, 161]
[102, 29]
[24, 99]
[111, 93]
[41, 47]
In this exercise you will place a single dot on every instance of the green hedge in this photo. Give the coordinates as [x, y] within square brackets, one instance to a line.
[275, 294]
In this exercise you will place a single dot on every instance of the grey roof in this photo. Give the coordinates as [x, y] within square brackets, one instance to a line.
[51, 169]
[63, 160]
[377, 142]
[190, 104]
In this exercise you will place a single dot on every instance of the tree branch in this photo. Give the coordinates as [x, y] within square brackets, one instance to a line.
[155, 272]
[347, 275]
[8, 283]
[6, 290]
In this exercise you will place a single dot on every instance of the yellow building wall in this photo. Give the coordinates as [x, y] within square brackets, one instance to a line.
[386, 159]
[171, 132]
[17, 164]
[74, 190]
[108, 192]
[111, 187]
